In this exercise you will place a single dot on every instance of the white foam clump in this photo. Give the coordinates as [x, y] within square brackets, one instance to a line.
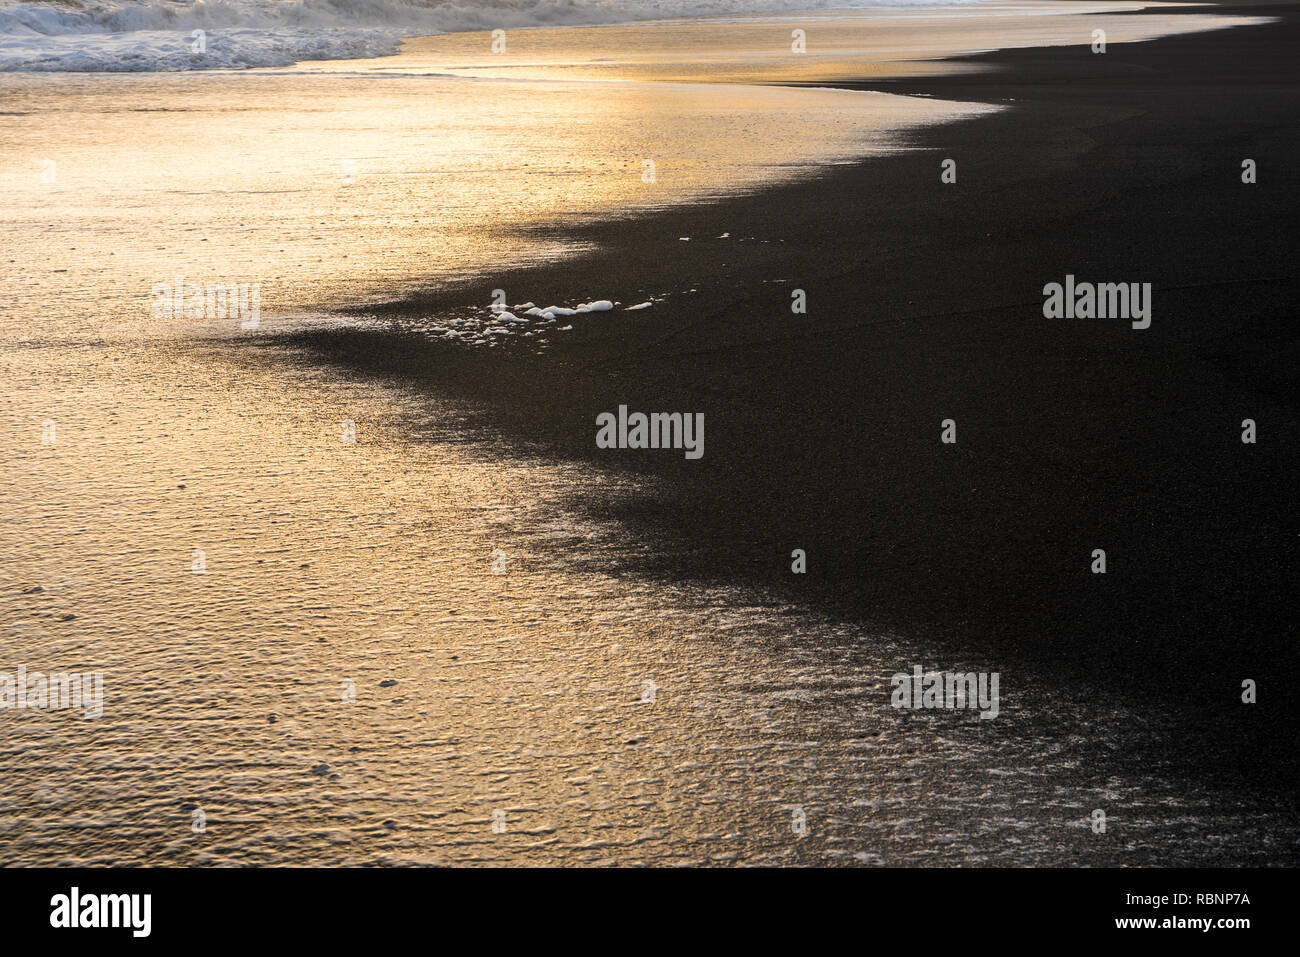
[171, 52]
[157, 35]
[639, 305]
[476, 330]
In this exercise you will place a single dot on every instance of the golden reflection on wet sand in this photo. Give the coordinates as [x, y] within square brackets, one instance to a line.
[612, 719]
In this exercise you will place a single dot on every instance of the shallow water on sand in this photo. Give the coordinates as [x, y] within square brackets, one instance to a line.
[344, 188]
[610, 717]
[900, 40]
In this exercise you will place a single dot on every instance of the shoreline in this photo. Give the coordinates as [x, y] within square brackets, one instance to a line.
[923, 305]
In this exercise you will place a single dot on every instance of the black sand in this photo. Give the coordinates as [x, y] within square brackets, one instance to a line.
[823, 431]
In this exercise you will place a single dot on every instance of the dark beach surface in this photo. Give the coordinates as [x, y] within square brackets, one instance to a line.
[925, 304]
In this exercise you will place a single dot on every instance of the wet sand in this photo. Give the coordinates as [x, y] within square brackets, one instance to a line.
[333, 564]
[925, 304]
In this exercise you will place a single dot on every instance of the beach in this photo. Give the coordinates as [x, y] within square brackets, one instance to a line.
[391, 502]
[832, 420]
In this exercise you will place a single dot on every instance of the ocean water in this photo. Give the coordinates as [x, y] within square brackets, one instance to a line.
[352, 628]
[153, 35]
